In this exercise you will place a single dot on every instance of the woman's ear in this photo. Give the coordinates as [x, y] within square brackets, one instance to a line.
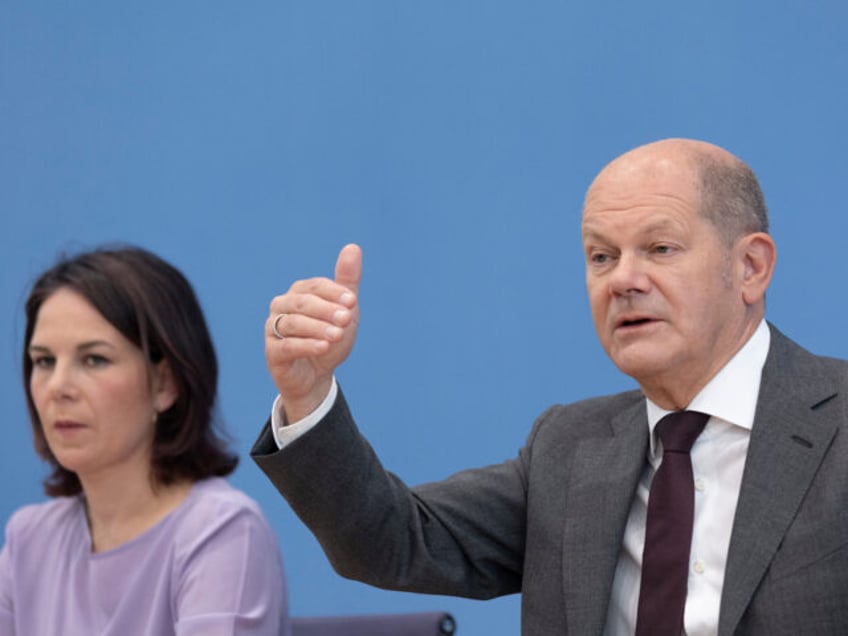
[164, 387]
[759, 254]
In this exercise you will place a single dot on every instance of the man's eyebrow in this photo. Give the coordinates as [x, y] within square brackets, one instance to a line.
[590, 232]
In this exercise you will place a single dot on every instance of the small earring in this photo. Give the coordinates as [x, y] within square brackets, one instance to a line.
[155, 417]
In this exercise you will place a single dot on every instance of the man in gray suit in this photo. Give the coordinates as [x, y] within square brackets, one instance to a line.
[678, 260]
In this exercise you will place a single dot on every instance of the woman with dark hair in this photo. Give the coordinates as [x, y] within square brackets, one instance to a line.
[143, 535]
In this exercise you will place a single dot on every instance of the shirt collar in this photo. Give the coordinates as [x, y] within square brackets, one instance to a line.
[732, 393]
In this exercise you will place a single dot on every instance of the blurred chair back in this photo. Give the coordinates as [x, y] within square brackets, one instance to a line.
[414, 624]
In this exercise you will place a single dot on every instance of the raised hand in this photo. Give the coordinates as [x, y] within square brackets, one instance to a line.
[310, 331]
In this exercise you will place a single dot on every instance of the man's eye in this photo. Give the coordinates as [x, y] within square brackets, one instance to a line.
[599, 259]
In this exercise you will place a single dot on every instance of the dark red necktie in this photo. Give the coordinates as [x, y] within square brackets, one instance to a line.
[668, 531]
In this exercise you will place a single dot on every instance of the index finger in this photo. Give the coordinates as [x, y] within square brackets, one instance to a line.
[318, 298]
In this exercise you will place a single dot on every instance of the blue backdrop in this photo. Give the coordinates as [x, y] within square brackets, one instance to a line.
[247, 142]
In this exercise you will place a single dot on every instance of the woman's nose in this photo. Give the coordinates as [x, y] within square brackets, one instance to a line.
[62, 384]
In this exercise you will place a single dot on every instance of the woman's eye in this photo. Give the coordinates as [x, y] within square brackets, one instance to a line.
[94, 360]
[43, 362]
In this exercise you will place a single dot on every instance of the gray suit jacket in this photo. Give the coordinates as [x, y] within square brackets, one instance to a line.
[549, 524]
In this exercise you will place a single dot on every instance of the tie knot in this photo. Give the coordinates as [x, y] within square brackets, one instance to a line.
[679, 430]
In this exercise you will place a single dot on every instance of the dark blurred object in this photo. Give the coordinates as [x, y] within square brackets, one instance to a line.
[415, 624]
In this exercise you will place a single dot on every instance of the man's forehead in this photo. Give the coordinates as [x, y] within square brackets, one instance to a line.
[672, 193]
[655, 214]
[643, 180]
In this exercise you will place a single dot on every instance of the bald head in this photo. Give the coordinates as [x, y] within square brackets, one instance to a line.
[725, 190]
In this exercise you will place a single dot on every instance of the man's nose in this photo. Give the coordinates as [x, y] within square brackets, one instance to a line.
[629, 276]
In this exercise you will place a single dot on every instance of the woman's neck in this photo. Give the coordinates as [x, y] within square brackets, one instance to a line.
[120, 510]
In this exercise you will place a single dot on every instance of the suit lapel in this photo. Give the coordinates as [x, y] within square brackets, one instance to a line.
[788, 442]
[603, 478]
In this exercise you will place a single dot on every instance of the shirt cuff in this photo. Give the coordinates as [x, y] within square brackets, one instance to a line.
[285, 434]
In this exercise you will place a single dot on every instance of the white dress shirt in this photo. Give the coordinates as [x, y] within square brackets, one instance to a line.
[718, 460]
[284, 433]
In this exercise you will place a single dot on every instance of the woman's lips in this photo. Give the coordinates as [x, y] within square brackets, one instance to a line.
[68, 425]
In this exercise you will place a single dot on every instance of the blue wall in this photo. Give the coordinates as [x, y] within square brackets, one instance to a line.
[247, 142]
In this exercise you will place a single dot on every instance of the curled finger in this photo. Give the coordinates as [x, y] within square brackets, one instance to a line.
[285, 326]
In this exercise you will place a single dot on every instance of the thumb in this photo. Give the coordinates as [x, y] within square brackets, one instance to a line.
[349, 267]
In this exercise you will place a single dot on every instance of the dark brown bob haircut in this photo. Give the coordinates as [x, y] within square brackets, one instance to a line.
[153, 305]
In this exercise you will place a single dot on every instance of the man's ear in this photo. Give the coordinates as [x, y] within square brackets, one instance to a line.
[758, 255]
[164, 387]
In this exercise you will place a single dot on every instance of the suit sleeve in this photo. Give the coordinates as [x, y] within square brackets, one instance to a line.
[463, 536]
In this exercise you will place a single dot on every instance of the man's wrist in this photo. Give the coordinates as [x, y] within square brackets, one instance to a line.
[285, 432]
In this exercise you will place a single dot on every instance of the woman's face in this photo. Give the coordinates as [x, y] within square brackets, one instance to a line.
[95, 393]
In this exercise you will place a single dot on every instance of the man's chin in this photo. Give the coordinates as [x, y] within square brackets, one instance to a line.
[641, 366]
